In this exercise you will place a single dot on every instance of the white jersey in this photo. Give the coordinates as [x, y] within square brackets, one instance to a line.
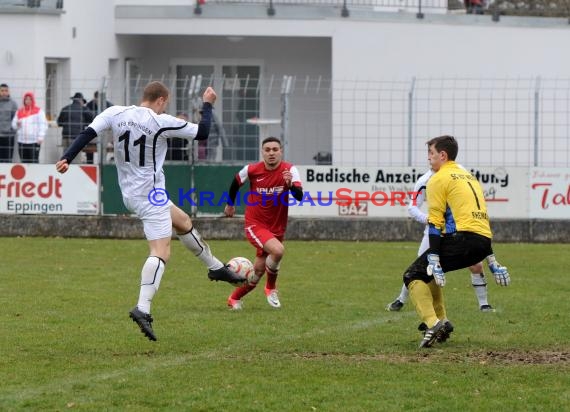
[414, 207]
[139, 142]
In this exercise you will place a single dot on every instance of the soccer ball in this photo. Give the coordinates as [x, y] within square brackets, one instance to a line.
[244, 268]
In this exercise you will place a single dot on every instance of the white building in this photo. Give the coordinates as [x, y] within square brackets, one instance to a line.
[370, 88]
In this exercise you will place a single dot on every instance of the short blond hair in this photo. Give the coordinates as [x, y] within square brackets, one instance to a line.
[153, 91]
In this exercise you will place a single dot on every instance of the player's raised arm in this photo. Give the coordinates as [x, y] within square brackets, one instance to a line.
[209, 96]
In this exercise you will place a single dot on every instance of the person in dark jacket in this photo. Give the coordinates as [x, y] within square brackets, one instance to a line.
[8, 109]
[74, 118]
[93, 104]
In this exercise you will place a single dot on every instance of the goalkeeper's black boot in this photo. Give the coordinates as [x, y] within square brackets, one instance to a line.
[395, 306]
[432, 334]
[144, 320]
[422, 327]
[226, 275]
[446, 332]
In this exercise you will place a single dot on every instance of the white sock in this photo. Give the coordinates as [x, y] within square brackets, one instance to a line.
[404, 294]
[194, 243]
[480, 286]
[151, 275]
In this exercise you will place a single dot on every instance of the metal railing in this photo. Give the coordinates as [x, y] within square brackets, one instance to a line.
[439, 6]
[496, 8]
[32, 4]
[347, 3]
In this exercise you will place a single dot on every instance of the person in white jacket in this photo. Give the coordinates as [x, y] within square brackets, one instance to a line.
[31, 127]
[477, 274]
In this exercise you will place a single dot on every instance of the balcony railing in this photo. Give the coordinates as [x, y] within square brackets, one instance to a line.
[437, 6]
[31, 5]
[529, 8]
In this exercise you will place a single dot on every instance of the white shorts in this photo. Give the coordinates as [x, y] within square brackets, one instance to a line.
[157, 222]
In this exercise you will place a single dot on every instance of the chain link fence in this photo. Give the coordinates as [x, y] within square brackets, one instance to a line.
[508, 122]
[499, 122]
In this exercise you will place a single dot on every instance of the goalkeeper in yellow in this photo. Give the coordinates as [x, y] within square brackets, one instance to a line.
[459, 236]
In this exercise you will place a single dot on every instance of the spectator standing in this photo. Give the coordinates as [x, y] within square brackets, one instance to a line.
[31, 127]
[74, 118]
[474, 6]
[8, 109]
[93, 104]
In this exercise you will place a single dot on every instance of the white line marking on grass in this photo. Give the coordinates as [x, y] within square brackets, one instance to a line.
[66, 385]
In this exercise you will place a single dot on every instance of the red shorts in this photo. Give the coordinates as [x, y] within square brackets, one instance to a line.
[259, 236]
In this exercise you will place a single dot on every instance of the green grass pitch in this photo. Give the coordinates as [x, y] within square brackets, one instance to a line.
[66, 342]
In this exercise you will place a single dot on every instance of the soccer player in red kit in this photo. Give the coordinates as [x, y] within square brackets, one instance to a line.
[271, 182]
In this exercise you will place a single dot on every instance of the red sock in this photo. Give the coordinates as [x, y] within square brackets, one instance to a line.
[241, 291]
[271, 279]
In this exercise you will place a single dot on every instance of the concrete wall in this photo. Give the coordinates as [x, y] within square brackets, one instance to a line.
[453, 47]
[124, 227]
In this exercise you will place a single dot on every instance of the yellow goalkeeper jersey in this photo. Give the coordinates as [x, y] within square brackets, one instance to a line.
[456, 201]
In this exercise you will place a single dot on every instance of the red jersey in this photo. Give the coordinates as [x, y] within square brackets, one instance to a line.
[267, 204]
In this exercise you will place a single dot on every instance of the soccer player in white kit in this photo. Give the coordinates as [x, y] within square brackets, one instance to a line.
[477, 275]
[140, 146]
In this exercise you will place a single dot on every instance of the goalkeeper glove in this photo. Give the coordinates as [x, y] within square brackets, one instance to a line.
[500, 273]
[434, 269]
